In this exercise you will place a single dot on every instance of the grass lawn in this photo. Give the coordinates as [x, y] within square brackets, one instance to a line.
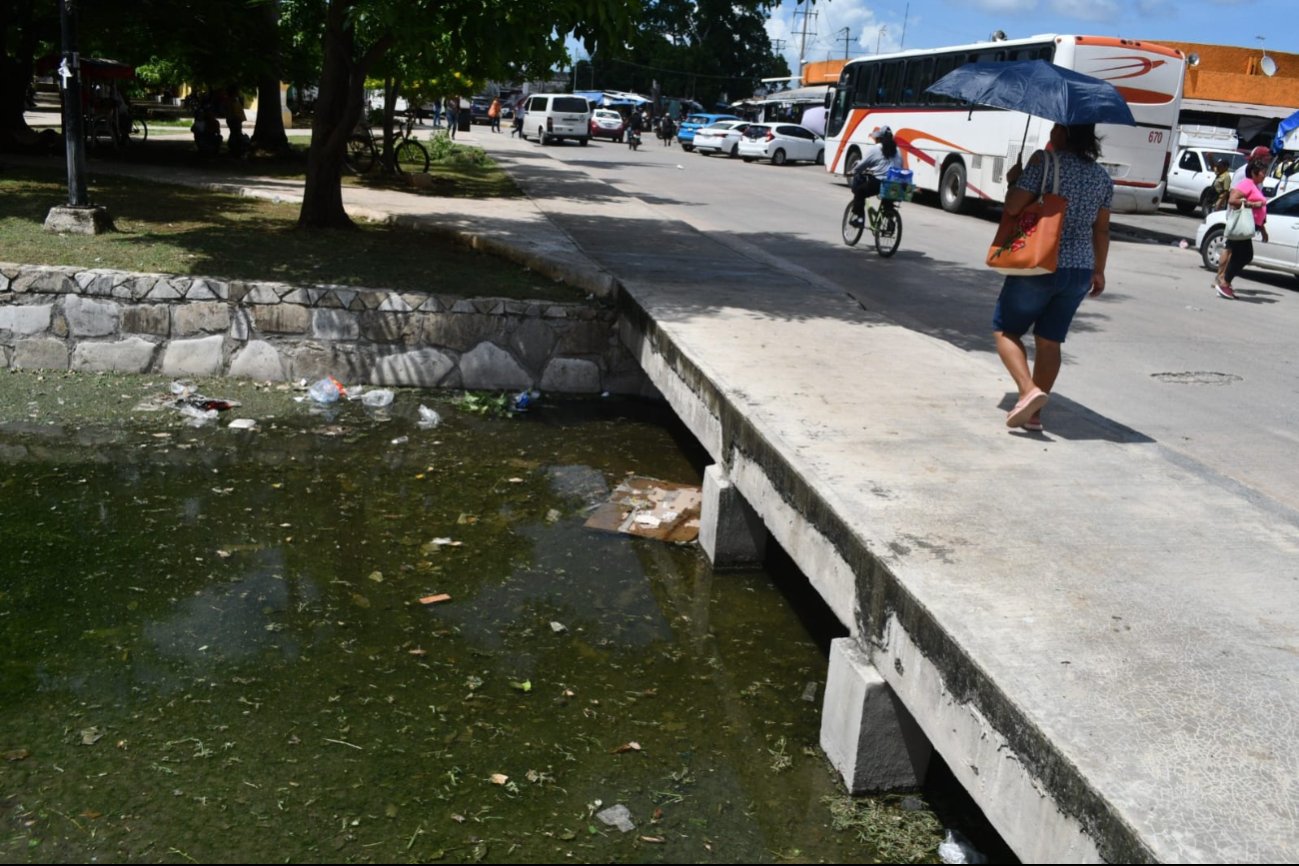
[183, 230]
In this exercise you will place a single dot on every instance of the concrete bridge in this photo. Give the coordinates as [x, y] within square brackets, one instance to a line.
[1099, 640]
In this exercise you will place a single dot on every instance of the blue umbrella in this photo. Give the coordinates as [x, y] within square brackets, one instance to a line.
[1037, 88]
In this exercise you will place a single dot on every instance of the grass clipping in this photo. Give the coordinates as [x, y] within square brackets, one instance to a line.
[896, 834]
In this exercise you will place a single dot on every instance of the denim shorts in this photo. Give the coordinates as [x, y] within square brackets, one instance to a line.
[1044, 304]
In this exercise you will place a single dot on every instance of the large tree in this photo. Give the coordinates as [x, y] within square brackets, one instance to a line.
[710, 50]
[475, 38]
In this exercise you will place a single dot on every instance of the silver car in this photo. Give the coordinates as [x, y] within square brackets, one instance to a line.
[781, 143]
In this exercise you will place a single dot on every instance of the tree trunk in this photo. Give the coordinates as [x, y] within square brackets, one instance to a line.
[338, 108]
[268, 133]
[17, 31]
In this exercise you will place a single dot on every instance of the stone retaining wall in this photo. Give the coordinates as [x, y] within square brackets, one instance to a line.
[70, 318]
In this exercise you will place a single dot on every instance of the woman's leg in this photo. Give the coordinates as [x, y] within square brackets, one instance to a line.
[1242, 253]
[1046, 363]
[1010, 348]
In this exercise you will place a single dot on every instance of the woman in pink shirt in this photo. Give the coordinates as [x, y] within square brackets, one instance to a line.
[1247, 194]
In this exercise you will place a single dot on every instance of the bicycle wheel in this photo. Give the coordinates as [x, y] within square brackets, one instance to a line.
[888, 232]
[410, 157]
[139, 129]
[851, 233]
[360, 156]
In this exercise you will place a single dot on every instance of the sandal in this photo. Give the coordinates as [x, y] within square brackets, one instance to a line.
[1028, 406]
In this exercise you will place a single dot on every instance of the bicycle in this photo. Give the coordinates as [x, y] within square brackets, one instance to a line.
[407, 153]
[885, 222]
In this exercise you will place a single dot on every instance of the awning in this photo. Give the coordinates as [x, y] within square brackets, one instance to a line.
[95, 68]
[1244, 109]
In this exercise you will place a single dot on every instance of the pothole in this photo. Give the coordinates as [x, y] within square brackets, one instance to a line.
[1197, 377]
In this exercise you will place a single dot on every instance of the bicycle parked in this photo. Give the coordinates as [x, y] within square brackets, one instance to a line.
[885, 222]
[408, 154]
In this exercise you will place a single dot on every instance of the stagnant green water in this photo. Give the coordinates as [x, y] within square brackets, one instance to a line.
[212, 647]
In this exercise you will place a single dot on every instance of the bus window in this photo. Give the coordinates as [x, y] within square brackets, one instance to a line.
[890, 83]
[1032, 52]
[866, 77]
[838, 110]
[942, 66]
[987, 55]
[920, 74]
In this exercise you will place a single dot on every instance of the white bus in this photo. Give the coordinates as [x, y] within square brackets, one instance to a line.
[961, 152]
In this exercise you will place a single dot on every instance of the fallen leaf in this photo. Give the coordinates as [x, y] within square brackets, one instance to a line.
[499, 778]
[92, 814]
[515, 480]
[627, 747]
[655, 840]
[224, 554]
[435, 599]
[360, 600]
[376, 576]
[658, 816]
[525, 686]
[90, 736]
[459, 819]
[418, 652]
[17, 755]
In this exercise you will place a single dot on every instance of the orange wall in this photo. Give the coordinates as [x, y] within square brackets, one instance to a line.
[1230, 74]
[822, 72]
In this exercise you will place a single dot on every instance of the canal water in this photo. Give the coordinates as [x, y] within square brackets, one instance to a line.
[213, 646]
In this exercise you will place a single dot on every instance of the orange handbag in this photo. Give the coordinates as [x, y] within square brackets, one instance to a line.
[1029, 242]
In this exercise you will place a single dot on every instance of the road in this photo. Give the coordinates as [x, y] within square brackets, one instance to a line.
[1158, 357]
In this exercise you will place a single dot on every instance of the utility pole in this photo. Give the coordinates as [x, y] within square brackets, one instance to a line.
[78, 216]
[802, 34]
[905, 15]
[879, 34]
[847, 40]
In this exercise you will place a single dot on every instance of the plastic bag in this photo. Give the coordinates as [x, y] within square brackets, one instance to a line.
[377, 399]
[955, 848]
[428, 418]
[324, 391]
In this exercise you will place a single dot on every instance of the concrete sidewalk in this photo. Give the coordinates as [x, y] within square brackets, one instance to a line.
[1106, 668]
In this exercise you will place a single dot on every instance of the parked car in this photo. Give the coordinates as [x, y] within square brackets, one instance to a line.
[720, 137]
[1279, 253]
[553, 117]
[686, 129]
[606, 123]
[478, 106]
[781, 143]
[1190, 178]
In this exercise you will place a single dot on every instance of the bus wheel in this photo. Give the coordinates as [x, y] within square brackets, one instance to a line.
[850, 162]
[951, 190]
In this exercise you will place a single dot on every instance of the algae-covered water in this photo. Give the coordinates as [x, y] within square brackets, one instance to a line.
[213, 646]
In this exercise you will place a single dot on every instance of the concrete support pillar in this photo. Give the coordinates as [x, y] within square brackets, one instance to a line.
[868, 735]
[730, 531]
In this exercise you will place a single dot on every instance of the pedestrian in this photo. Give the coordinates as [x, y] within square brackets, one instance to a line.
[1258, 154]
[871, 169]
[453, 114]
[1221, 184]
[235, 117]
[1046, 303]
[494, 114]
[667, 130]
[437, 113]
[1247, 194]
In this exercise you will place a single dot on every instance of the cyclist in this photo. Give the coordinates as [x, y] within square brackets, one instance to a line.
[873, 167]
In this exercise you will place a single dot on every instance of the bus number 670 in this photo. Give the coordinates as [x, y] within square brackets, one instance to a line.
[1156, 137]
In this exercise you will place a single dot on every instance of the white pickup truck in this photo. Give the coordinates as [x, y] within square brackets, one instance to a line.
[1190, 176]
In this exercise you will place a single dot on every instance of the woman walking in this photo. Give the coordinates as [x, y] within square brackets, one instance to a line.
[1247, 194]
[1046, 303]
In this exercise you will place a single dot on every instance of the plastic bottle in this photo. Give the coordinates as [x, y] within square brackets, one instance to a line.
[376, 399]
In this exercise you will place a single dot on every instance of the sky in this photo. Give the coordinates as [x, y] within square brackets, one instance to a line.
[890, 25]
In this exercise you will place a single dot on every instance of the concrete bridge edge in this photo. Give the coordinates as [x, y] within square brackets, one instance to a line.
[1031, 793]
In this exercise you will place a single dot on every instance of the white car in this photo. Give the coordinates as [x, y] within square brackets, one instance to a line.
[781, 143]
[1190, 177]
[721, 137]
[1280, 253]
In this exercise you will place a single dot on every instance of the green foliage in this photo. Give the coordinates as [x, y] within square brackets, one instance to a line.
[483, 403]
[442, 148]
[894, 833]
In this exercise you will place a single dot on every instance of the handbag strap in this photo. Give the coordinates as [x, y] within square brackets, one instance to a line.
[1050, 164]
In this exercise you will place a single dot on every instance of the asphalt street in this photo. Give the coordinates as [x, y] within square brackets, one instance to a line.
[1159, 355]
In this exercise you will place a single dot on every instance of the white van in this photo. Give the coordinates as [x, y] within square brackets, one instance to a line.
[555, 116]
